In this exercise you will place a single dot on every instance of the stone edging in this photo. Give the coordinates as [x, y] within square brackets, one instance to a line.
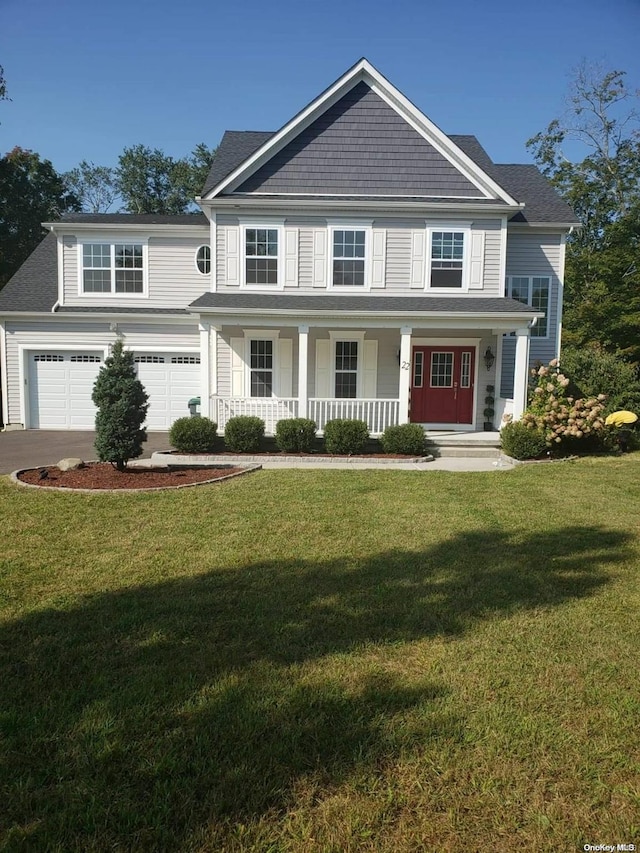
[14, 476]
[162, 457]
[538, 461]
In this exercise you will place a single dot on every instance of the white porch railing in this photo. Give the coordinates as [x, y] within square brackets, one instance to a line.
[377, 414]
[271, 411]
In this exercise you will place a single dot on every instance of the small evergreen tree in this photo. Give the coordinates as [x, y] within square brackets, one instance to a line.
[122, 409]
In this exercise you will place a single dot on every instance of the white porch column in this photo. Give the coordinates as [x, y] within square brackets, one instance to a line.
[521, 373]
[303, 371]
[499, 349]
[215, 331]
[405, 373]
[205, 368]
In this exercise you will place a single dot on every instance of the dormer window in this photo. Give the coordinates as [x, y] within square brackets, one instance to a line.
[112, 268]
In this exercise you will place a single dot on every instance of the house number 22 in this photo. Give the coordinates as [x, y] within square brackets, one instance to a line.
[405, 365]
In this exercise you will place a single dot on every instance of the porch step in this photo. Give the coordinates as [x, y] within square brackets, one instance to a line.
[468, 444]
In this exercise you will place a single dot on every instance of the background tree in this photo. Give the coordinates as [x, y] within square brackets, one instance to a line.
[93, 186]
[602, 281]
[31, 192]
[150, 181]
[594, 371]
[122, 409]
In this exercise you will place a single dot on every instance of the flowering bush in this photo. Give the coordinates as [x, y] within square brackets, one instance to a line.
[562, 419]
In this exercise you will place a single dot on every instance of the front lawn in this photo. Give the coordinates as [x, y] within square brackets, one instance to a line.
[324, 661]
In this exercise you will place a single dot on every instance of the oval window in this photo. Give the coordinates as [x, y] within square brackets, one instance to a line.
[203, 259]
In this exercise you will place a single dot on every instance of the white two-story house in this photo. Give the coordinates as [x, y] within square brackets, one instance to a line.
[356, 263]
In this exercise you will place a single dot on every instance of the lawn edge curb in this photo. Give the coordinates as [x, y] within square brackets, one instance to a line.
[163, 457]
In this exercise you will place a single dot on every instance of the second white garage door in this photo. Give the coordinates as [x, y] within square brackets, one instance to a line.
[170, 380]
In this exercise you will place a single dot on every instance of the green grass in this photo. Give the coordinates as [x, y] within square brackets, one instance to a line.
[324, 661]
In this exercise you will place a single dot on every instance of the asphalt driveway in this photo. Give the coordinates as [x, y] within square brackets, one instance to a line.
[32, 447]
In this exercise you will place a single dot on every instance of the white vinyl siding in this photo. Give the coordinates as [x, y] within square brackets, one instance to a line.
[396, 255]
[533, 254]
[173, 277]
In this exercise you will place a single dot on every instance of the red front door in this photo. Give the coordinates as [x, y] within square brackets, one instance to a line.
[442, 385]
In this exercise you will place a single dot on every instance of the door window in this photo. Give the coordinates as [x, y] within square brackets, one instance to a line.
[441, 369]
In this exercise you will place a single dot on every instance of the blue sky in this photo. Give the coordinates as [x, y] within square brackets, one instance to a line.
[87, 79]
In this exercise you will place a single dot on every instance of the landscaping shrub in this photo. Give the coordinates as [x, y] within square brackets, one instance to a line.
[122, 407]
[296, 435]
[594, 371]
[522, 441]
[193, 435]
[405, 438]
[566, 423]
[346, 436]
[616, 439]
[244, 434]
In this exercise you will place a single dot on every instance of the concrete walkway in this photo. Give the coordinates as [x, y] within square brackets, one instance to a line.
[32, 448]
[449, 463]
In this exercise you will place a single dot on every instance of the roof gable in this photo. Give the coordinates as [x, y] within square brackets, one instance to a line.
[359, 101]
[361, 145]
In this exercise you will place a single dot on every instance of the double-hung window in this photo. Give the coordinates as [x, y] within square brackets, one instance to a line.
[112, 268]
[261, 256]
[532, 290]
[261, 367]
[346, 369]
[447, 263]
[349, 257]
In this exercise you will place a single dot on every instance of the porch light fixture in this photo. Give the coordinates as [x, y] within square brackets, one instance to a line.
[489, 358]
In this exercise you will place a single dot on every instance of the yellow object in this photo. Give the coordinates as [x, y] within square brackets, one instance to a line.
[621, 418]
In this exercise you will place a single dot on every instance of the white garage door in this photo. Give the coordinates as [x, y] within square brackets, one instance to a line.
[60, 386]
[170, 380]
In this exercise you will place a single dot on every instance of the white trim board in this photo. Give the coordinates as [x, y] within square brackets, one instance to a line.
[3, 373]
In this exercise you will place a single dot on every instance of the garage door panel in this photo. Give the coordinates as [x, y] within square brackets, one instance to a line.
[170, 386]
[60, 387]
[61, 383]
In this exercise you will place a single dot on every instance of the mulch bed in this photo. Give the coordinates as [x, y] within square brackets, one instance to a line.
[100, 475]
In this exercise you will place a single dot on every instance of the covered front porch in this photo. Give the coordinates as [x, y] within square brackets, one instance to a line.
[437, 377]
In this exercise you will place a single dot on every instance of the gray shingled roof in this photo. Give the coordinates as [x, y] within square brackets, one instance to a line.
[235, 147]
[526, 183]
[522, 181]
[35, 285]
[274, 302]
[135, 219]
